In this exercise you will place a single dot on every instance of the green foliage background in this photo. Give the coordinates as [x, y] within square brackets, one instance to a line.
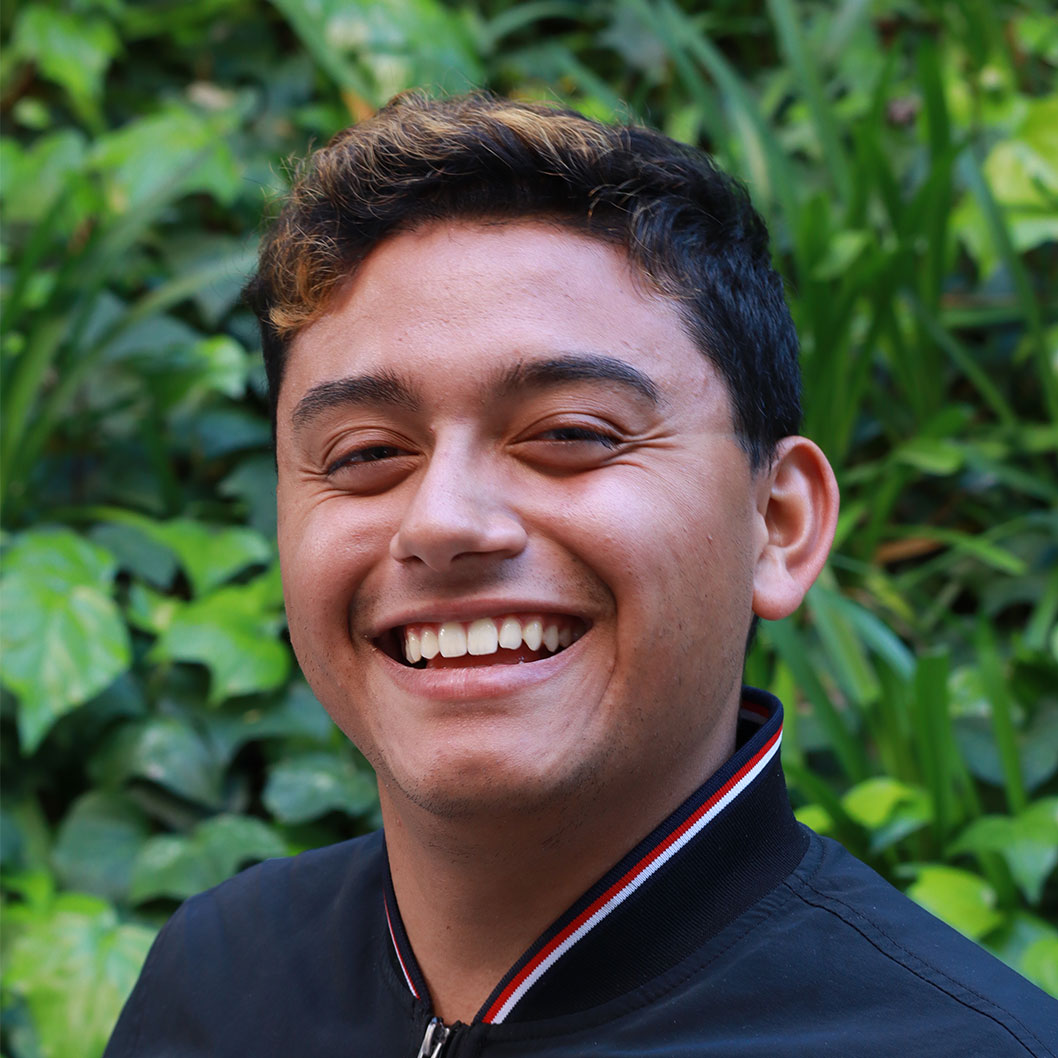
[156, 735]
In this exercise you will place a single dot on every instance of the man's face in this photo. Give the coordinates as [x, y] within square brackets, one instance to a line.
[496, 433]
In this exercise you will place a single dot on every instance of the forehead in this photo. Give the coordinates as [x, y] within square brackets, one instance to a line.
[457, 297]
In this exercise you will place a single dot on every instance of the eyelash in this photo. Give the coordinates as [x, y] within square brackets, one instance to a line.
[376, 456]
[366, 455]
[580, 433]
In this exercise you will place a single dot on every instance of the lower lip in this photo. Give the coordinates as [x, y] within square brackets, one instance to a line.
[477, 681]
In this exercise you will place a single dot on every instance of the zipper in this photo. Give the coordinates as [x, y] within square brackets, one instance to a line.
[434, 1040]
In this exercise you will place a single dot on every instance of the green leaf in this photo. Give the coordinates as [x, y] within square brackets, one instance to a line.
[1040, 964]
[932, 455]
[166, 751]
[74, 964]
[842, 252]
[179, 867]
[175, 151]
[234, 636]
[70, 48]
[137, 553]
[209, 554]
[35, 177]
[1028, 842]
[253, 482]
[296, 715]
[307, 786]
[62, 636]
[97, 844]
[816, 817]
[889, 809]
[963, 900]
[874, 802]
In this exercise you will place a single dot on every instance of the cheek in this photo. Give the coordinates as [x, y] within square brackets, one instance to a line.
[325, 551]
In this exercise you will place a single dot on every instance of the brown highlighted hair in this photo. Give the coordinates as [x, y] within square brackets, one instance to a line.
[688, 228]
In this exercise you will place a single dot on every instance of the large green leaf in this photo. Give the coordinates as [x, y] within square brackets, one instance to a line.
[175, 149]
[166, 751]
[964, 900]
[209, 554]
[35, 176]
[1028, 842]
[234, 633]
[71, 48]
[73, 963]
[63, 637]
[307, 786]
[295, 715]
[97, 844]
[1040, 964]
[178, 866]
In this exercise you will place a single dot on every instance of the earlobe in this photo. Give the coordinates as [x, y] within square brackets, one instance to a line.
[798, 501]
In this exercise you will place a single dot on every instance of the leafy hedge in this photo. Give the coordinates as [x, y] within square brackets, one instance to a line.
[156, 735]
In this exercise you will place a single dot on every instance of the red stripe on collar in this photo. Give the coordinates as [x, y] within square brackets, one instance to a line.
[592, 915]
[576, 930]
[396, 948]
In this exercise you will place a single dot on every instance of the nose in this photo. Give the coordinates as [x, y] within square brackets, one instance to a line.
[459, 508]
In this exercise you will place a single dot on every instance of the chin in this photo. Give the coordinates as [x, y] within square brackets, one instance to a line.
[473, 782]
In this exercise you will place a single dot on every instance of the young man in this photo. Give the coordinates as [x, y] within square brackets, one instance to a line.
[536, 407]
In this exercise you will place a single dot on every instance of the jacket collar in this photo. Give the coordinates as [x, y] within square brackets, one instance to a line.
[724, 848]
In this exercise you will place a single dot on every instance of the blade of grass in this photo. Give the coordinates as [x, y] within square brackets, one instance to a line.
[963, 360]
[785, 638]
[844, 650]
[767, 166]
[970, 170]
[995, 686]
[934, 742]
[306, 26]
[787, 24]
[1043, 615]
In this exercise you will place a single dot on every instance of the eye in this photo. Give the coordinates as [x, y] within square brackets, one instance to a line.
[366, 455]
[367, 469]
[569, 447]
[579, 433]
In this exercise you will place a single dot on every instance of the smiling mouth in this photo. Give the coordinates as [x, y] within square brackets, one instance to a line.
[510, 639]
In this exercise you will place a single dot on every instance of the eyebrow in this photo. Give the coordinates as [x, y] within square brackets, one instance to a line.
[384, 388]
[387, 387]
[581, 367]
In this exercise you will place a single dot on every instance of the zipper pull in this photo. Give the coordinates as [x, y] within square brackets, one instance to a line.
[434, 1040]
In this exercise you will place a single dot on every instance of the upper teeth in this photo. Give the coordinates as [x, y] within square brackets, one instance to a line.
[486, 635]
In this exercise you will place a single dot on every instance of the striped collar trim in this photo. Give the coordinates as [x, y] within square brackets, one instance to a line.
[759, 711]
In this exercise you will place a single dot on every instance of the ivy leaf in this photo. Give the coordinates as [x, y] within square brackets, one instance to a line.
[97, 844]
[178, 867]
[307, 786]
[233, 636]
[74, 963]
[1028, 842]
[209, 554]
[167, 752]
[62, 636]
[296, 715]
[963, 900]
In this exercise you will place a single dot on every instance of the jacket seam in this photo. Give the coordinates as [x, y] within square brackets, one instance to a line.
[825, 901]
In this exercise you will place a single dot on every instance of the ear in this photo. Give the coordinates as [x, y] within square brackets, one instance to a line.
[798, 500]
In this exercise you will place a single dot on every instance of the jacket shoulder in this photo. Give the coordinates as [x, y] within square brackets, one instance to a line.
[891, 944]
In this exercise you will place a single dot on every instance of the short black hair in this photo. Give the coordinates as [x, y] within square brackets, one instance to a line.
[689, 229]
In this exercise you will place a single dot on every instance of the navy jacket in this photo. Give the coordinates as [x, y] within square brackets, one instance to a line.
[730, 931]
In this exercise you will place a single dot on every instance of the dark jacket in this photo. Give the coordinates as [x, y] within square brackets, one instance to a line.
[730, 931]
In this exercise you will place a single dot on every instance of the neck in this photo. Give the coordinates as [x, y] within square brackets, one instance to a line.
[474, 893]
